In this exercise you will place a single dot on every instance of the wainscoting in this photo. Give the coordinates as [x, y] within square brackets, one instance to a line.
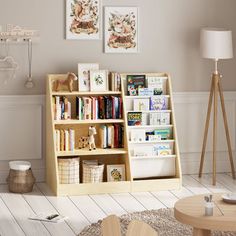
[22, 126]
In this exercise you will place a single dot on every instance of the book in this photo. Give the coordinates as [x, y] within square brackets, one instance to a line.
[145, 92]
[87, 101]
[140, 104]
[164, 133]
[158, 103]
[53, 218]
[103, 136]
[72, 140]
[159, 118]
[156, 84]
[143, 151]
[134, 82]
[110, 136]
[137, 135]
[160, 149]
[134, 118]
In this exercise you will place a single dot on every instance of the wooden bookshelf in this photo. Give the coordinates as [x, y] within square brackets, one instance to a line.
[107, 156]
[153, 172]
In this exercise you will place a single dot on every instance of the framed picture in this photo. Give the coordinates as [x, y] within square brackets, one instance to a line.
[98, 80]
[83, 19]
[115, 173]
[121, 30]
[84, 75]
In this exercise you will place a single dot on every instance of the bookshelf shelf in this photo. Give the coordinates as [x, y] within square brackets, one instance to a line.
[153, 157]
[153, 142]
[98, 151]
[158, 111]
[79, 122]
[141, 97]
[166, 169]
[86, 93]
[149, 126]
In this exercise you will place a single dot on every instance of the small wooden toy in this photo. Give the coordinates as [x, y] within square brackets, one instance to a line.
[68, 82]
[91, 141]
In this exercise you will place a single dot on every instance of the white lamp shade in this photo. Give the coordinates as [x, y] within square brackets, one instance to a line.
[216, 43]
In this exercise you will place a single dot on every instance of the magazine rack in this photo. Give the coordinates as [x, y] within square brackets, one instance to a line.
[111, 156]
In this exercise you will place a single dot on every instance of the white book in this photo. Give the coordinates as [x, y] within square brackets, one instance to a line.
[67, 147]
[58, 108]
[137, 135]
[157, 83]
[72, 139]
[159, 118]
[141, 104]
[53, 218]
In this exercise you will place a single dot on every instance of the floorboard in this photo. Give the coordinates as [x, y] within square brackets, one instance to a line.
[84, 210]
[39, 203]
[76, 220]
[21, 211]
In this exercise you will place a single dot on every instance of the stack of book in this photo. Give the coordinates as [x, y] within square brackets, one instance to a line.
[65, 140]
[101, 107]
[111, 136]
[115, 81]
[61, 108]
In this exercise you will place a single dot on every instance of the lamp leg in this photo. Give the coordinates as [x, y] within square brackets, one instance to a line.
[216, 81]
[226, 129]
[206, 128]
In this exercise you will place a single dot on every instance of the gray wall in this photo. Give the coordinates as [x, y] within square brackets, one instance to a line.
[169, 41]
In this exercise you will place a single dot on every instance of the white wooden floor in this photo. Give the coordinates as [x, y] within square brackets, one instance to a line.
[83, 210]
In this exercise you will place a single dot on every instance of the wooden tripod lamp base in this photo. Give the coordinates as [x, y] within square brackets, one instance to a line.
[216, 89]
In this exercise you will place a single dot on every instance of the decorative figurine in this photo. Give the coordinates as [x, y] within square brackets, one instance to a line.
[89, 140]
[68, 82]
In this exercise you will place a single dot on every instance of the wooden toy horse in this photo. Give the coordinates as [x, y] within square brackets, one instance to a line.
[68, 82]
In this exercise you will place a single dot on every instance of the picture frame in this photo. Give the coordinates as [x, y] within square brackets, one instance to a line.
[84, 75]
[121, 34]
[83, 19]
[98, 80]
[115, 173]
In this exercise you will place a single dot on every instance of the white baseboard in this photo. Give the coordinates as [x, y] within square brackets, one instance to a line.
[190, 111]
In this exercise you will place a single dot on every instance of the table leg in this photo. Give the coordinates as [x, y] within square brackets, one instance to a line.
[201, 232]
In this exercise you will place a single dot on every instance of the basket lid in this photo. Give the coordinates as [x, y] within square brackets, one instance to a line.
[19, 165]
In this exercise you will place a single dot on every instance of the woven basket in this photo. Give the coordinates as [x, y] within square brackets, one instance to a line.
[20, 181]
[68, 170]
[92, 173]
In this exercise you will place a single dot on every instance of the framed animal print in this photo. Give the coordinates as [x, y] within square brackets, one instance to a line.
[83, 19]
[98, 80]
[84, 75]
[121, 30]
[115, 173]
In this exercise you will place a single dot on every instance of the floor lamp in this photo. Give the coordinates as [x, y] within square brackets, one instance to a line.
[216, 44]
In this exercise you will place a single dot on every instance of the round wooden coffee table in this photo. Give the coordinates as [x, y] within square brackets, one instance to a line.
[191, 211]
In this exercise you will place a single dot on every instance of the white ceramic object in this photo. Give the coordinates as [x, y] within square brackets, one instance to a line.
[19, 165]
[229, 198]
[209, 206]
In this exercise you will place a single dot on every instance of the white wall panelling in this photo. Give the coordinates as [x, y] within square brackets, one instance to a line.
[22, 132]
[190, 109]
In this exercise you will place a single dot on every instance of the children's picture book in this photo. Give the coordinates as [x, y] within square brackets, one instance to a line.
[159, 118]
[134, 118]
[53, 218]
[157, 84]
[161, 149]
[164, 152]
[143, 151]
[140, 104]
[134, 82]
[137, 135]
[158, 103]
[165, 133]
[154, 138]
[145, 92]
